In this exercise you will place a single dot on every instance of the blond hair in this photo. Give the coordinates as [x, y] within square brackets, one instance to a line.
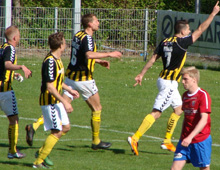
[192, 72]
[11, 32]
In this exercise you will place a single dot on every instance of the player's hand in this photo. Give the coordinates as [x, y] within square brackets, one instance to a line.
[216, 8]
[18, 77]
[138, 80]
[115, 54]
[74, 93]
[27, 72]
[186, 142]
[105, 63]
[68, 107]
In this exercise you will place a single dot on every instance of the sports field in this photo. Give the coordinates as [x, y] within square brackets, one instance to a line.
[124, 107]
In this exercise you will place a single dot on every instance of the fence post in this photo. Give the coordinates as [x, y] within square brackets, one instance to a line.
[55, 18]
[145, 35]
[7, 13]
[76, 16]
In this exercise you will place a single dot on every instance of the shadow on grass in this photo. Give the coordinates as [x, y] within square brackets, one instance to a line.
[3, 145]
[116, 151]
[16, 163]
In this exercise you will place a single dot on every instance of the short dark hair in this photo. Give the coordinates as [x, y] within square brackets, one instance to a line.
[179, 25]
[86, 19]
[55, 40]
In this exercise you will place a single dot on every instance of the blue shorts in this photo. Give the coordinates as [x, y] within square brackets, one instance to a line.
[199, 154]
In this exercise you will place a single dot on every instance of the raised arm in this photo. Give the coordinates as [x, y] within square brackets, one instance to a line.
[198, 32]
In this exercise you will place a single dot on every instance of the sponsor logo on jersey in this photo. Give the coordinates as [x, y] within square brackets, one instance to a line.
[51, 69]
[90, 44]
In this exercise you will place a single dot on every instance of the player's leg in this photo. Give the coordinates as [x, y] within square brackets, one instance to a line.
[181, 156]
[143, 128]
[47, 147]
[172, 121]
[9, 107]
[95, 105]
[13, 138]
[178, 165]
[56, 120]
[32, 128]
[171, 125]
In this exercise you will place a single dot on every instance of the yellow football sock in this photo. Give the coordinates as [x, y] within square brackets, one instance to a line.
[95, 124]
[171, 124]
[40, 121]
[45, 150]
[13, 138]
[145, 125]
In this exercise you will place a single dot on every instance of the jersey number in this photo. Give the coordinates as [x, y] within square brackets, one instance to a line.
[75, 47]
[168, 48]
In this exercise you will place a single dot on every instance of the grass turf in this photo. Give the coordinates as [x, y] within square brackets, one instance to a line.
[124, 108]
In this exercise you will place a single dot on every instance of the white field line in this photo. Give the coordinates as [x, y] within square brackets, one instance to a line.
[103, 129]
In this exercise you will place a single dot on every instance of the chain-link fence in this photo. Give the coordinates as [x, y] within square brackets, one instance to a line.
[131, 31]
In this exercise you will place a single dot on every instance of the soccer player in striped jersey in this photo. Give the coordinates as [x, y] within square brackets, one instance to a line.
[80, 77]
[8, 103]
[173, 51]
[80, 73]
[54, 106]
[195, 144]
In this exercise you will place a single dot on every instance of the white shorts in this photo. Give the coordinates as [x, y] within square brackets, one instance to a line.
[85, 88]
[8, 103]
[168, 95]
[55, 116]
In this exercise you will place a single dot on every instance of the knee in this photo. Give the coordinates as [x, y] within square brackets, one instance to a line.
[66, 129]
[156, 114]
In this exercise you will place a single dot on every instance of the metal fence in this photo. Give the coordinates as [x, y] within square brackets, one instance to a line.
[131, 31]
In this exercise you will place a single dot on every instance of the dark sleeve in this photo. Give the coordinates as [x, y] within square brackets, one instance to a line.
[185, 42]
[49, 70]
[159, 49]
[9, 54]
[88, 43]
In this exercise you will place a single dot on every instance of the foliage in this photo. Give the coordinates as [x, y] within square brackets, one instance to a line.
[46, 3]
[178, 5]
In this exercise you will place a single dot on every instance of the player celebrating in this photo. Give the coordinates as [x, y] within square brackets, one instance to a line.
[53, 105]
[195, 142]
[8, 63]
[173, 52]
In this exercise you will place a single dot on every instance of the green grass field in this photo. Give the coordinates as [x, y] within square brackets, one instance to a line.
[124, 108]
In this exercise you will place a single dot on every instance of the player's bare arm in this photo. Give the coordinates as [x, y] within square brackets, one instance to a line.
[10, 66]
[149, 64]
[201, 124]
[197, 33]
[98, 55]
[55, 93]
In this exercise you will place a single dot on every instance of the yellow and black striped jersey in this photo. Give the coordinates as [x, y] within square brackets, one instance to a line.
[80, 68]
[7, 53]
[173, 51]
[52, 71]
